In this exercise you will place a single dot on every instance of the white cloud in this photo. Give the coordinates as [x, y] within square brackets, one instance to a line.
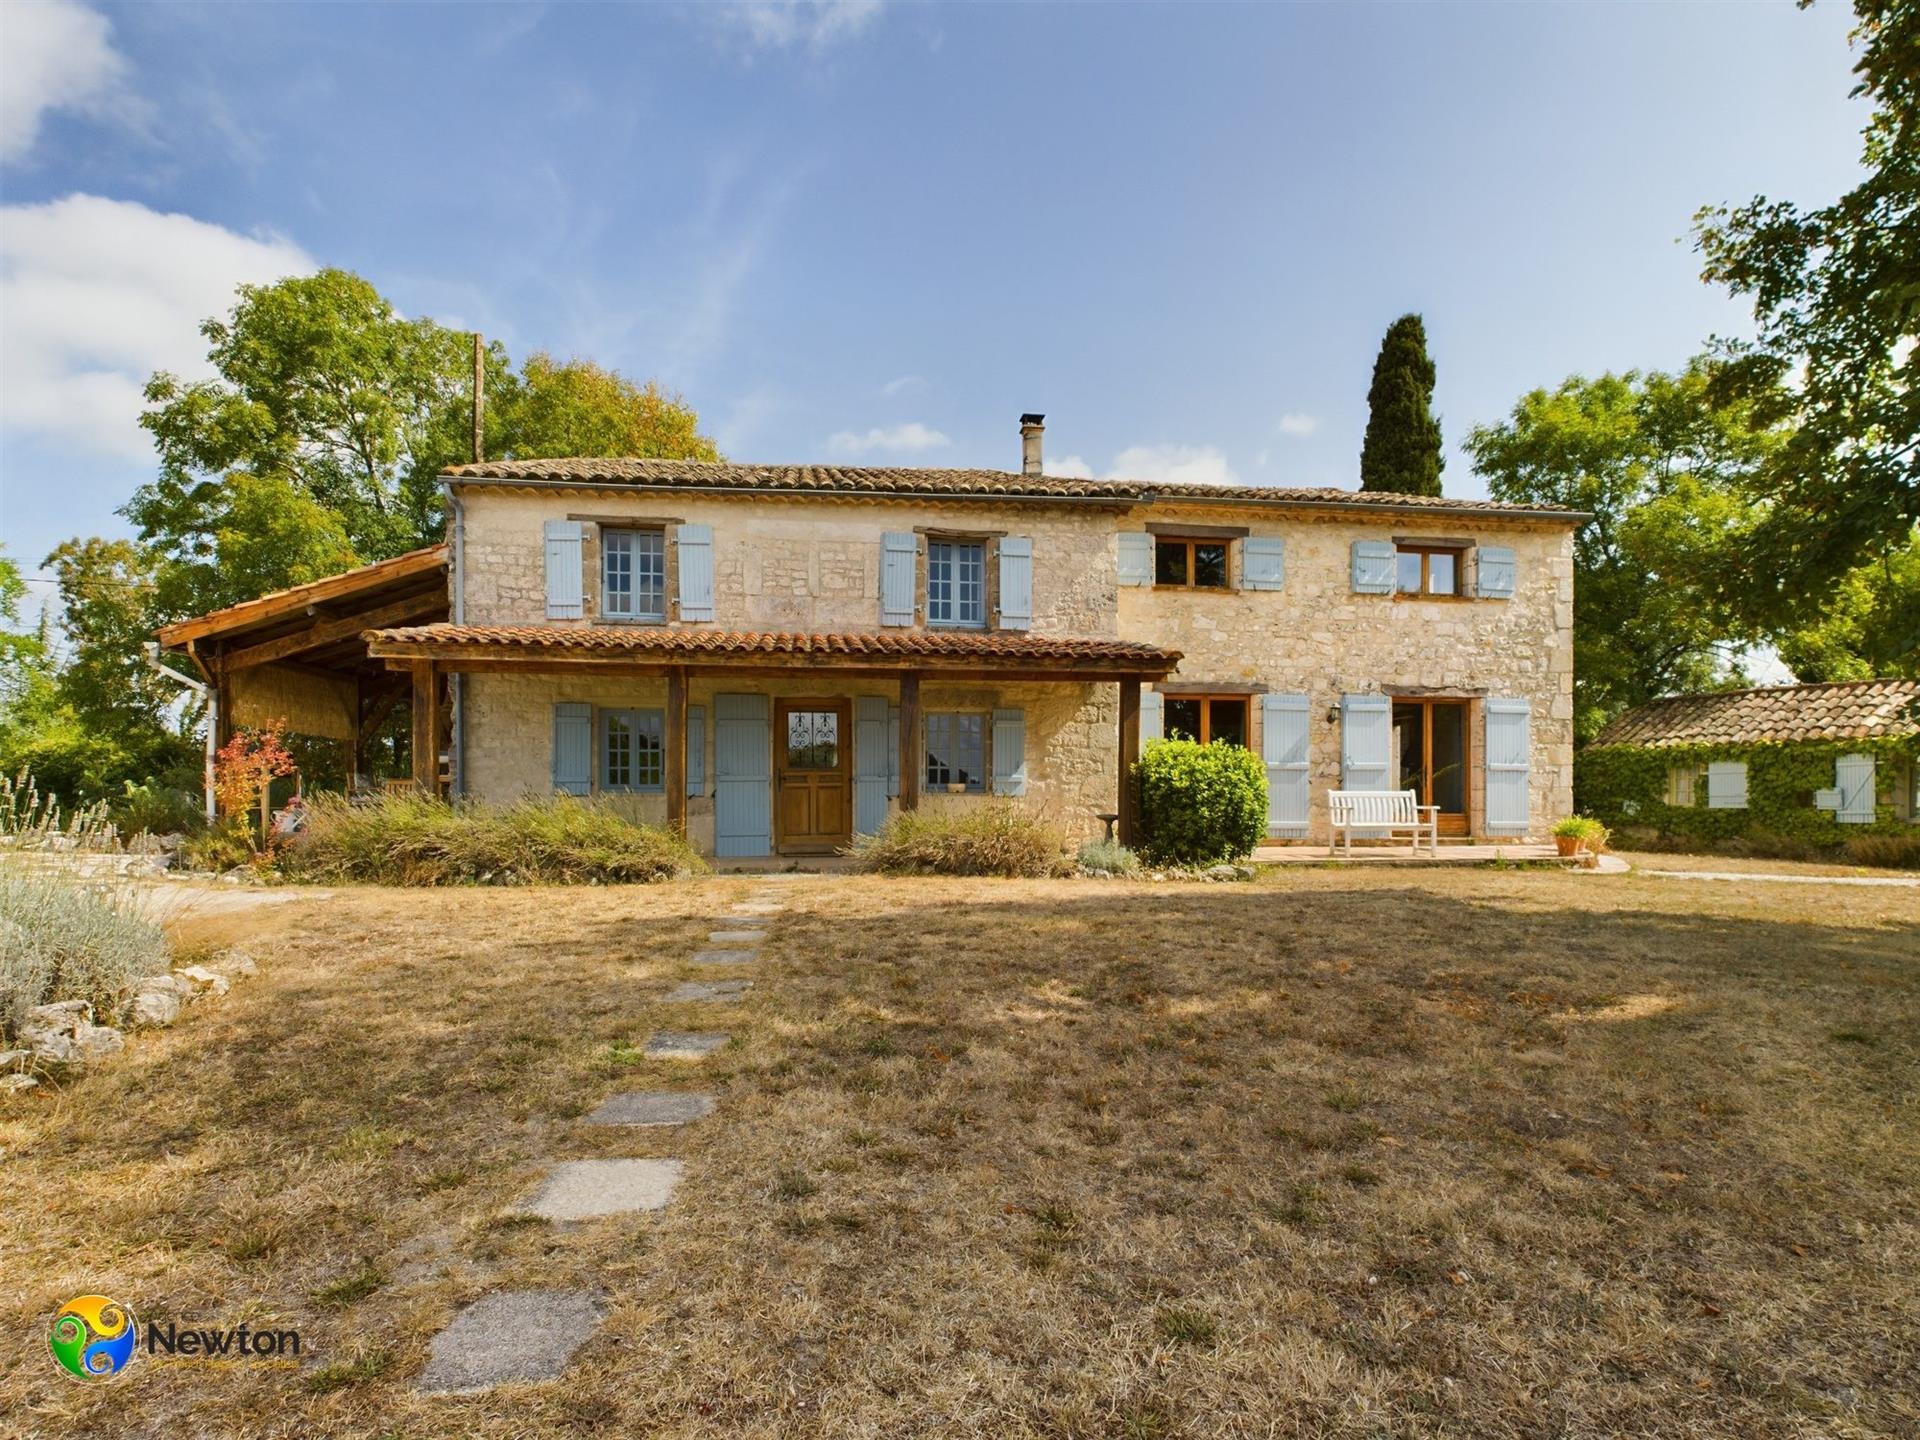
[814, 25]
[1295, 423]
[100, 293]
[1070, 467]
[57, 56]
[1173, 465]
[908, 437]
[901, 385]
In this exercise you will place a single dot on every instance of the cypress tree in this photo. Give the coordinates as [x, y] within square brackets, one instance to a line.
[1402, 450]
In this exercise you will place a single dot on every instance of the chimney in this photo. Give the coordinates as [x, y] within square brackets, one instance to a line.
[1031, 429]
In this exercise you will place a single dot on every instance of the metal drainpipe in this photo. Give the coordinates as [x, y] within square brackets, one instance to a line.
[152, 648]
[459, 613]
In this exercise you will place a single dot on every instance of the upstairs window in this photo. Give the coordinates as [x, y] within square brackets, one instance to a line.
[1429, 570]
[957, 583]
[957, 750]
[633, 574]
[1189, 564]
[631, 755]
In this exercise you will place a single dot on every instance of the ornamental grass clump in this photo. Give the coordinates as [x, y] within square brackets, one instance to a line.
[991, 839]
[1201, 804]
[416, 840]
[63, 938]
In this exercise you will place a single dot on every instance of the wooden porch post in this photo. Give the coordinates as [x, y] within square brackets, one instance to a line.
[426, 727]
[910, 741]
[1129, 752]
[675, 740]
[357, 746]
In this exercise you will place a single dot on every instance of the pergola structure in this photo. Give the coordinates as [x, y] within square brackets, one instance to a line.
[300, 655]
[429, 653]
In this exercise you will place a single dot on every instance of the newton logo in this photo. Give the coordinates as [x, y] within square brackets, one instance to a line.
[92, 1337]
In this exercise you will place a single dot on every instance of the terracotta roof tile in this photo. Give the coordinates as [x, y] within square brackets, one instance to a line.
[986, 484]
[1019, 647]
[1843, 710]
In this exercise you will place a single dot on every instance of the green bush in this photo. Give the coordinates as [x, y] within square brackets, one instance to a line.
[1110, 856]
[995, 838]
[414, 840]
[62, 938]
[158, 808]
[1200, 804]
[225, 846]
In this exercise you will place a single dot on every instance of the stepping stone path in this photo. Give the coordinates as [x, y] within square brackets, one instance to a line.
[720, 991]
[587, 1189]
[510, 1335]
[683, 1044]
[532, 1335]
[652, 1107]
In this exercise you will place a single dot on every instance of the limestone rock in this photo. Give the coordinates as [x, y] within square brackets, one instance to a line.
[47, 1024]
[95, 1042]
[11, 1058]
[11, 1083]
[234, 963]
[204, 982]
[157, 1000]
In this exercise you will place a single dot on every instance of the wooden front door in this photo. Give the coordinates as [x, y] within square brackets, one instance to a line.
[812, 794]
[1431, 737]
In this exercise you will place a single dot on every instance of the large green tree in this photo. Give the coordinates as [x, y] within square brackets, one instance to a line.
[1836, 298]
[1661, 466]
[580, 408]
[1401, 451]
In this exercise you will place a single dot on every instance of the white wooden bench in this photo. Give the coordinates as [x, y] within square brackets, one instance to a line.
[1381, 814]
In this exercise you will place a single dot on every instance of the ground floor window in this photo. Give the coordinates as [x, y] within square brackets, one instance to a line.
[957, 750]
[631, 754]
[1207, 718]
[1430, 737]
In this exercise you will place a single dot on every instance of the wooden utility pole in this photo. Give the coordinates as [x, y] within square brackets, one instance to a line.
[479, 397]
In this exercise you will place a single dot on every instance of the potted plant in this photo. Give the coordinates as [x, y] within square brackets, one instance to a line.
[1577, 833]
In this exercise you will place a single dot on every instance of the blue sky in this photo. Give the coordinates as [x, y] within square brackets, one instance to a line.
[876, 233]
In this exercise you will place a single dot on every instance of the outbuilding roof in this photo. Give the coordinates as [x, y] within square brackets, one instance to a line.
[1841, 710]
[906, 481]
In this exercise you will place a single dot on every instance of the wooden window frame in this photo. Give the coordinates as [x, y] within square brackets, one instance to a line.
[633, 714]
[939, 787]
[1426, 554]
[666, 575]
[1191, 543]
[988, 556]
[1206, 702]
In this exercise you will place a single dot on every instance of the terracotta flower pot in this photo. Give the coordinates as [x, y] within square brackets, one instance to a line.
[1567, 844]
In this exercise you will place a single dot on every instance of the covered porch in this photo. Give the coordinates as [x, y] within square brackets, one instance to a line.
[760, 744]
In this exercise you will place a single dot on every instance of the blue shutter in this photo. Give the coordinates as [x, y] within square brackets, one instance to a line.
[696, 750]
[1009, 752]
[898, 552]
[1263, 563]
[1509, 752]
[1366, 742]
[1153, 724]
[1854, 776]
[870, 766]
[1727, 785]
[893, 752]
[1495, 572]
[1016, 583]
[1373, 567]
[1285, 735]
[743, 776]
[696, 571]
[566, 598]
[573, 748]
[1136, 557]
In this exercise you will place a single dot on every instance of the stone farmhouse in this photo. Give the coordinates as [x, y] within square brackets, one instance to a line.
[777, 657]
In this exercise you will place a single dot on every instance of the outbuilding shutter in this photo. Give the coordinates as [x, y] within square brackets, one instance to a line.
[1494, 572]
[1285, 735]
[1016, 583]
[1509, 752]
[870, 767]
[696, 750]
[1727, 785]
[898, 552]
[573, 748]
[1136, 557]
[1263, 563]
[1153, 724]
[1854, 776]
[1373, 564]
[1009, 752]
[566, 598]
[695, 544]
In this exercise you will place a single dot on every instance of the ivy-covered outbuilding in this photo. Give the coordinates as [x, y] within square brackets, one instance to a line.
[1815, 763]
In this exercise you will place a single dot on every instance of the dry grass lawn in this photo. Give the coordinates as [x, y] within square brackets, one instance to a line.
[1347, 1153]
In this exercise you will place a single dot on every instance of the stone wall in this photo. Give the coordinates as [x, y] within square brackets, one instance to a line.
[1317, 636]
